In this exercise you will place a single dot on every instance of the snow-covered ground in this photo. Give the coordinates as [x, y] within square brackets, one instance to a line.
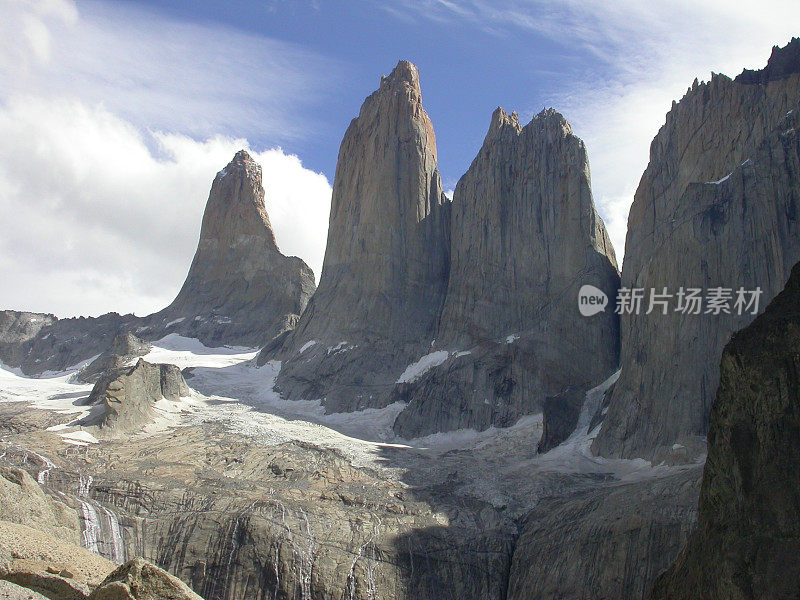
[235, 393]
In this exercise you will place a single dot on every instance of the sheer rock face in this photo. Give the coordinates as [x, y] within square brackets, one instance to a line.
[717, 206]
[525, 237]
[748, 536]
[386, 262]
[240, 289]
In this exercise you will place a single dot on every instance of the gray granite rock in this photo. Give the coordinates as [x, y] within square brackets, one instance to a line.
[716, 207]
[129, 395]
[125, 348]
[605, 544]
[525, 237]
[386, 263]
[240, 289]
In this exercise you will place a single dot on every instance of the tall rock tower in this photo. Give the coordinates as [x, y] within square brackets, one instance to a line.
[525, 237]
[240, 289]
[717, 207]
[386, 263]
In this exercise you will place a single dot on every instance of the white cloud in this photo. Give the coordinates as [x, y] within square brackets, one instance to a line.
[643, 56]
[114, 122]
[94, 220]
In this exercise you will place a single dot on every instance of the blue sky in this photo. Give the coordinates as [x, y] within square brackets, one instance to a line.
[467, 70]
[115, 116]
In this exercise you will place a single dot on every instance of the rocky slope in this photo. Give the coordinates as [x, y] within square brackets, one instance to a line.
[385, 270]
[525, 237]
[716, 207]
[748, 536]
[125, 349]
[37, 343]
[608, 542]
[240, 289]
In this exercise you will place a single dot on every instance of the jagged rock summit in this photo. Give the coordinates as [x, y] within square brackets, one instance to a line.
[385, 270]
[717, 207]
[240, 288]
[525, 237]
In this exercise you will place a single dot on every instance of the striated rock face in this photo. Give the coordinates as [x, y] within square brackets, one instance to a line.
[716, 207]
[16, 328]
[386, 262]
[748, 536]
[130, 395]
[240, 289]
[525, 237]
[604, 543]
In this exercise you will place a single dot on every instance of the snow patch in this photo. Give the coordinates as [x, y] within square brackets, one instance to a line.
[81, 437]
[307, 345]
[415, 370]
[512, 338]
[175, 322]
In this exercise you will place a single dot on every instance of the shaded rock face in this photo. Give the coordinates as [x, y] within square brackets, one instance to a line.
[716, 207]
[525, 237]
[17, 327]
[604, 543]
[129, 395]
[240, 289]
[37, 343]
[748, 535]
[386, 262]
[125, 348]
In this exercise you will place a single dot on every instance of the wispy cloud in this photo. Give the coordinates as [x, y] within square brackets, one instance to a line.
[642, 55]
[113, 128]
[161, 73]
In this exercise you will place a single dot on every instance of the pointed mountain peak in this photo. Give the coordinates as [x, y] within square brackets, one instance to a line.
[405, 74]
[501, 119]
[242, 163]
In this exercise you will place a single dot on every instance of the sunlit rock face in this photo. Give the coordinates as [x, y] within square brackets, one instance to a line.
[386, 263]
[716, 207]
[240, 289]
[525, 237]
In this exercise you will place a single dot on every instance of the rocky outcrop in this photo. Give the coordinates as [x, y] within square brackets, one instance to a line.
[125, 348]
[130, 396]
[525, 237]
[139, 580]
[24, 503]
[385, 270]
[609, 542]
[240, 289]
[748, 536]
[716, 207]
